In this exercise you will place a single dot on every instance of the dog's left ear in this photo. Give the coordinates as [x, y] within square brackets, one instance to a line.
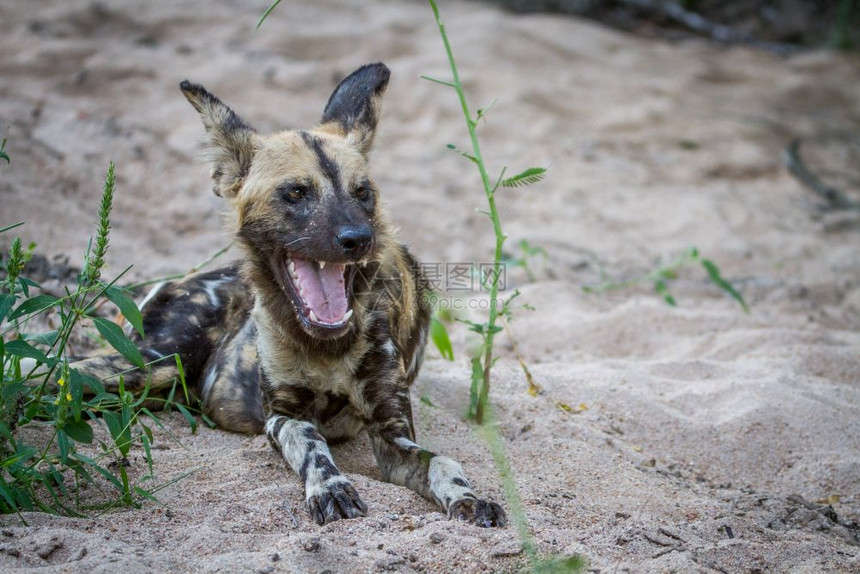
[231, 140]
[354, 106]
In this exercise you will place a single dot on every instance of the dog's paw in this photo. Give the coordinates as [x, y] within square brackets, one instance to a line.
[335, 500]
[480, 512]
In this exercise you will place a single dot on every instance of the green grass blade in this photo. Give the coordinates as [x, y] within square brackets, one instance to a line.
[13, 226]
[192, 422]
[439, 336]
[717, 278]
[268, 11]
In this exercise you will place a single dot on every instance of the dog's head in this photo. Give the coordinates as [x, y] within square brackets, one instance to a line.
[306, 209]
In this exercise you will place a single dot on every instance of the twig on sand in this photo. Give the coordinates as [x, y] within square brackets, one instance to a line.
[690, 20]
[700, 25]
[836, 199]
[287, 506]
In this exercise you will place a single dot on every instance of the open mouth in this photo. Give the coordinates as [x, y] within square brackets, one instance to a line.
[321, 290]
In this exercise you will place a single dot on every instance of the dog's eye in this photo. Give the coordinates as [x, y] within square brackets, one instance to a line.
[362, 193]
[294, 193]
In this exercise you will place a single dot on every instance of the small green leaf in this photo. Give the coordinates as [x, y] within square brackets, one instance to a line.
[207, 421]
[7, 495]
[85, 381]
[145, 493]
[192, 422]
[117, 339]
[21, 348]
[154, 418]
[482, 112]
[95, 466]
[560, 565]
[717, 278]
[126, 306]
[64, 446]
[48, 339]
[22, 455]
[7, 300]
[181, 371]
[663, 290]
[35, 304]
[79, 431]
[26, 284]
[145, 440]
[528, 177]
[426, 400]
[439, 335]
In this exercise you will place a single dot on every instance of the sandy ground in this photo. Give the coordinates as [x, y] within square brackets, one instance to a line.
[698, 417]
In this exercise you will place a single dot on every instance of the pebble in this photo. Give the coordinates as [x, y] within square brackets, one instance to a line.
[311, 545]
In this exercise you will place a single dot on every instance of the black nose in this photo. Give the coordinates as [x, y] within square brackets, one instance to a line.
[355, 240]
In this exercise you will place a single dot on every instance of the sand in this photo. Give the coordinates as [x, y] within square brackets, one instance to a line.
[709, 434]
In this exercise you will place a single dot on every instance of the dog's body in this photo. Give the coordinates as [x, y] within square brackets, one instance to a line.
[319, 332]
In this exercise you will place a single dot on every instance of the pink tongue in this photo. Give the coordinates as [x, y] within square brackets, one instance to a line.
[322, 290]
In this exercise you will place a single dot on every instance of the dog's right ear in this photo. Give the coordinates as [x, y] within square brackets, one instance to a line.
[231, 140]
[355, 104]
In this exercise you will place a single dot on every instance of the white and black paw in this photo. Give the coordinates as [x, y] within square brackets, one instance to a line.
[335, 500]
[481, 512]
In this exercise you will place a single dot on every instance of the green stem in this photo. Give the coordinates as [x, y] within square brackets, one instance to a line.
[494, 216]
[688, 257]
[490, 434]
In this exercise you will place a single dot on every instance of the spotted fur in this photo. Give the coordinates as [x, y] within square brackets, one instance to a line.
[262, 360]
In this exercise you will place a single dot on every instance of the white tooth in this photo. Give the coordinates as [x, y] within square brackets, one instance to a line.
[347, 316]
[322, 265]
[363, 262]
[313, 317]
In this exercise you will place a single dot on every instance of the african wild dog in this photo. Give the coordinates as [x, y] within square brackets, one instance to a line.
[320, 330]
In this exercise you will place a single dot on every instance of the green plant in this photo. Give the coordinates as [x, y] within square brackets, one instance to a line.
[661, 277]
[56, 404]
[482, 364]
[528, 253]
[480, 406]
[3, 154]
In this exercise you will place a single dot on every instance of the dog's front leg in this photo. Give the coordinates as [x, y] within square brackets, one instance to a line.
[403, 462]
[329, 494]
